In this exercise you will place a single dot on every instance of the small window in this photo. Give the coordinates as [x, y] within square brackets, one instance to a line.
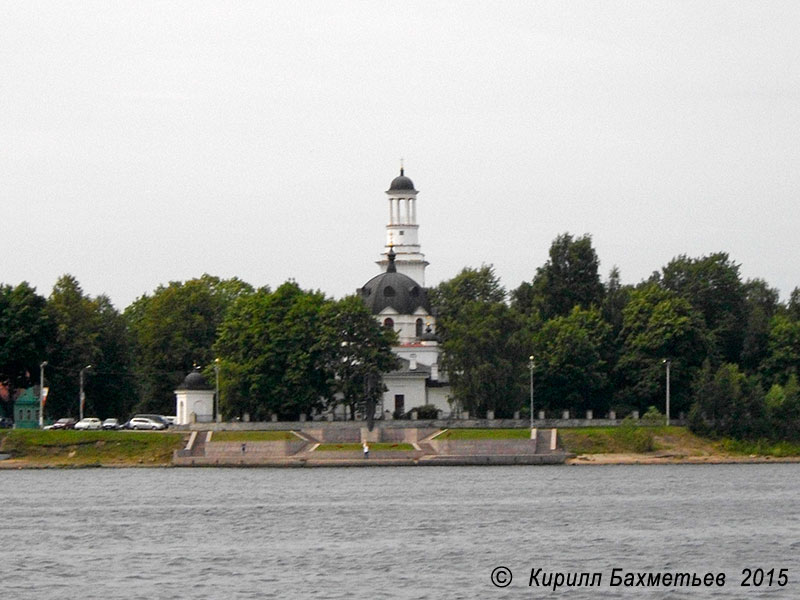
[402, 233]
[388, 291]
[388, 323]
[419, 327]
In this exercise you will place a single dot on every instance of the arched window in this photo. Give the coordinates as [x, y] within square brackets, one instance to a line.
[419, 328]
[388, 323]
[388, 291]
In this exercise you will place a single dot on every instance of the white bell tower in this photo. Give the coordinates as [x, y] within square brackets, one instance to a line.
[402, 230]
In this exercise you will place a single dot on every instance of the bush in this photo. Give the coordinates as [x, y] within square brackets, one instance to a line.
[429, 411]
[633, 437]
[653, 418]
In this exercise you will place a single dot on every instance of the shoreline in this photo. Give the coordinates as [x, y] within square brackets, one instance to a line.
[596, 460]
[668, 459]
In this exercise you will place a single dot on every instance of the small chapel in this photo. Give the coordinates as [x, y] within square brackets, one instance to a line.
[398, 299]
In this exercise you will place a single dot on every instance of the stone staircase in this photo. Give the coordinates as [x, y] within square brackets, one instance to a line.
[201, 450]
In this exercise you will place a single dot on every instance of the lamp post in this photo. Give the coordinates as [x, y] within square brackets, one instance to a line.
[669, 364]
[216, 395]
[83, 395]
[41, 394]
[530, 366]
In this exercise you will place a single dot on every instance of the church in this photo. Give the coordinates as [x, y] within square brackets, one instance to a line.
[398, 299]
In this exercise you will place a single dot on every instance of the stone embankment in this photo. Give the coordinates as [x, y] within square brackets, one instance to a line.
[304, 451]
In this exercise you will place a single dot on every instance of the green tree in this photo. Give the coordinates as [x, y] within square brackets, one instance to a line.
[658, 324]
[355, 351]
[615, 298]
[451, 298]
[713, 287]
[761, 304]
[24, 333]
[727, 403]
[571, 370]
[569, 278]
[783, 410]
[485, 357]
[484, 342]
[783, 348]
[87, 331]
[174, 330]
[270, 355]
[793, 307]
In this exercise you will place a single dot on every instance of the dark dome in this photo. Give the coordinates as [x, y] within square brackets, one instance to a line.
[429, 335]
[194, 381]
[395, 290]
[401, 183]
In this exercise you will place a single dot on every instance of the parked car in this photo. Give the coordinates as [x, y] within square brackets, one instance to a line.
[171, 420]
[159, 418]
[111, 424]
[89, 423]
[145, 423]
[6, 422]
[66, 423]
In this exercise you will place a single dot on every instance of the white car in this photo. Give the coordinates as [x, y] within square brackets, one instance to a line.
[144, 423]
[89, 423]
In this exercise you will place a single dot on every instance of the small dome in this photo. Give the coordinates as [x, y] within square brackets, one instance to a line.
[194, 381]
[429, 335]
[402, 183]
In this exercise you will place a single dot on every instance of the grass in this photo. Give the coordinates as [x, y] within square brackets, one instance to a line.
[485, 434]
[81, 448]
[611, 440]
[374, 447]
[760, 448]
[676, 441]
[253, 436]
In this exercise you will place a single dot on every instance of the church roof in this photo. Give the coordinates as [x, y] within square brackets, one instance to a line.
[194, 381]
[401, 183]
[394, 290]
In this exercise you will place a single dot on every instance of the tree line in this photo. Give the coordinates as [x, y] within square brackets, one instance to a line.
[284, 352]
[733, 346]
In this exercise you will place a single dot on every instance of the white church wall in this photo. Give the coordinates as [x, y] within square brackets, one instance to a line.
[412, 389]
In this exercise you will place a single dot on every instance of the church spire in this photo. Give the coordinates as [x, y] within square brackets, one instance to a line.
[402, 230]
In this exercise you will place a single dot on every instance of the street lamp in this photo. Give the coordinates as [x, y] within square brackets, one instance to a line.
[530, 366]
[216, 396]
[83, 396]
[41, 394]
[668, 363]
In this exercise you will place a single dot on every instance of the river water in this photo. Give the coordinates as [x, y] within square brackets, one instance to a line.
[404, 533]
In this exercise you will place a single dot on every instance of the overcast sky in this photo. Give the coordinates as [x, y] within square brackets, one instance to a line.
[145, 142]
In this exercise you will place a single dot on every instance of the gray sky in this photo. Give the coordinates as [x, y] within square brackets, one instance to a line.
[143, 142]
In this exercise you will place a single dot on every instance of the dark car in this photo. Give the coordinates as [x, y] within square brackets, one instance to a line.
[66, 423]
[6, 422]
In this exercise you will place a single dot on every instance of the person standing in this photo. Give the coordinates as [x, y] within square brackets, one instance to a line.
[366, 449]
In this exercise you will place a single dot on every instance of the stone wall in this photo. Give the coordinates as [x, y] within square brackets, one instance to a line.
[483, 447]
[273, 449]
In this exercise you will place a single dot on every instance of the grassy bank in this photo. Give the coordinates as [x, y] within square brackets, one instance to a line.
[676, 442]
[485, 434]
[82, 448]
[253, 436]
